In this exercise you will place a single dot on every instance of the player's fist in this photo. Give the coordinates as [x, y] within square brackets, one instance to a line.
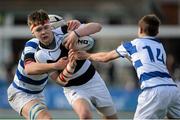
[70, 40]
[80, 55]
[61, 63]
[73, 24]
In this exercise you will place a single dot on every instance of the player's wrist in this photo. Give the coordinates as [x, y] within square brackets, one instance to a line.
[76, 33]
[54, 66]
[89, 57]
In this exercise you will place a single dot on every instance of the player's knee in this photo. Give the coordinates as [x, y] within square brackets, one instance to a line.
[114, 116]
[38, 110]
[85, 114]
[44, 115]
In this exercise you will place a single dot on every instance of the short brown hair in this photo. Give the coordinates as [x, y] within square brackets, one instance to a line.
[37, 17]
[150, 24]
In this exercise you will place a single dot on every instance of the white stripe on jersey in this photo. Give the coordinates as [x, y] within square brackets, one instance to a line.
[82, 70]
[28, 86]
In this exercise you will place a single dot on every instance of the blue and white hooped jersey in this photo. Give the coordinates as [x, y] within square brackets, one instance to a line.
[149, 59]
[32, 84]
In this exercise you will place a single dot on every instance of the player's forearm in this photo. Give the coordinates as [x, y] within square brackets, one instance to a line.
[55, 76]
[103, 56]
[39, 68]
[88, 29]
[63, 77]
[99, 57]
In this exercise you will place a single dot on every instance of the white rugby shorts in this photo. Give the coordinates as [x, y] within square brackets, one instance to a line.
[17, 99]
[95, 92]
[158, 102]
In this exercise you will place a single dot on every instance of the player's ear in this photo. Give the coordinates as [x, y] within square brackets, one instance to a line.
[140, 30]
[33, 34]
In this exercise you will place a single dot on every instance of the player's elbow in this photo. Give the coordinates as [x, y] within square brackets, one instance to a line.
[105, 59]
[99, 27]
[28, 70]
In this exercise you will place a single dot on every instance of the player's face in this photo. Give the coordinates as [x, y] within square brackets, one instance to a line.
[43, 33]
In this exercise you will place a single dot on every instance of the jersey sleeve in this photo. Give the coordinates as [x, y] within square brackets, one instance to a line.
[29, 56]
[126, 49]
[121, 51]
[29, 50]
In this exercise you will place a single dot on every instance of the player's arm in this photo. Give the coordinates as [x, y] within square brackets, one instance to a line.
[55, 76]
[32, 67]
[84, 30]
[99, 57]
[88, 29]
[64, 76]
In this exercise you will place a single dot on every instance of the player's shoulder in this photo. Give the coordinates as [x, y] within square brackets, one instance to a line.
[33, 42]
[138, 41]
[58, 31]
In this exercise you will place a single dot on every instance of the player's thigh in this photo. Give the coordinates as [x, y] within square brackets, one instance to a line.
[108, 112]
[35, 109]
[174, 112]
[82, 107]
[23, 102]
[17, 99]
[78, 99]
[102, 100]
[152, 104]
[174, 107]
[104, 105]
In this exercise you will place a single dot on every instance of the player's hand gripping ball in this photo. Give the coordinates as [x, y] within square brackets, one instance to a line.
[83, 43]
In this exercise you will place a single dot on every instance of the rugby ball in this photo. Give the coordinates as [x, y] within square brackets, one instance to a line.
[56, 21]
[83, 43]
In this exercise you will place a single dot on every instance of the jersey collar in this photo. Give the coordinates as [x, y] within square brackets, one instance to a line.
[50, 46]
[151, 38]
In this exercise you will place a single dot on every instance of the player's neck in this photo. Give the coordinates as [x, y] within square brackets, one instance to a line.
[52, 45]
[142, 35]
